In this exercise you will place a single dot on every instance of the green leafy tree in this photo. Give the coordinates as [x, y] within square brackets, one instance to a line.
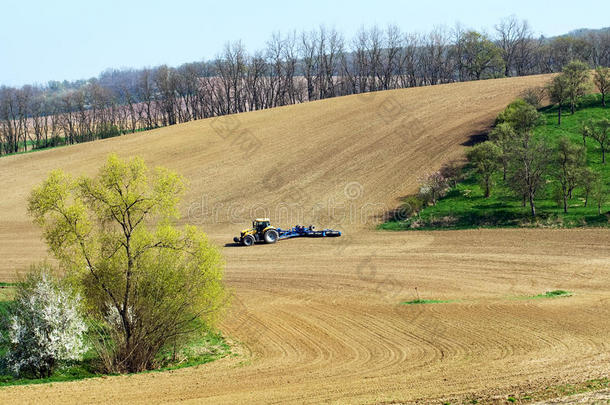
[145, 281]
[601, 78]
[529, 165]
[503, 136]
[569, 161]
[529, 157]
[558, 93]
[586, 129]
[485, 157]
[600, 131]
[600, 194]
[578, 78]
[588, 178]
[480, 55]
[521, 116]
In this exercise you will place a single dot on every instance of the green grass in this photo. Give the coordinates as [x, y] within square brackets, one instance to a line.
[7, 294]
[546, 295]
[420, 301]
[465, 206]
[553, 294]
[5, 284]
[204, 349]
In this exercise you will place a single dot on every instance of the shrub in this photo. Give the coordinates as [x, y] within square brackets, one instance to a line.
[452, 171]
[412, 205]
[534, 96]
[45, 327]
[432, 187]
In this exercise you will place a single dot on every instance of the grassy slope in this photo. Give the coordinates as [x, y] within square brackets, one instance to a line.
[465, 206]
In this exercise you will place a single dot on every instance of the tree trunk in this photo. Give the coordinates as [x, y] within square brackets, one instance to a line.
[532, 205]
[559, 115]
[586, 197]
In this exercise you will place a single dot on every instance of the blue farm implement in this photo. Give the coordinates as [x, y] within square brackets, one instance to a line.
[310, 231]
[262, 231]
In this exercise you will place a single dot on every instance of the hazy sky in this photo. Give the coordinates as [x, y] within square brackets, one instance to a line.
[44, 40]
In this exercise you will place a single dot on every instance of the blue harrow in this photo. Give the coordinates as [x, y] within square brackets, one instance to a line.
[310, 232]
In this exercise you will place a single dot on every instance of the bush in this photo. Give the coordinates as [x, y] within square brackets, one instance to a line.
[452, 171]
[108, 131]
[412, 205]
[45, 327]
[432, 187]
[534, 96]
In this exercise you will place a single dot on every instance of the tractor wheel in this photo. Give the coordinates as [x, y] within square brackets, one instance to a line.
[271, 236]
[248, 240]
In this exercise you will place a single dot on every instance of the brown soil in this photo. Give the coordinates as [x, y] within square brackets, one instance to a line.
[320, 319]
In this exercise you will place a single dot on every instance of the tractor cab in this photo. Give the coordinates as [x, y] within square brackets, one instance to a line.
[260, 224]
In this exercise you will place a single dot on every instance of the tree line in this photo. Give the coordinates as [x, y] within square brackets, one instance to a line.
[292, 68]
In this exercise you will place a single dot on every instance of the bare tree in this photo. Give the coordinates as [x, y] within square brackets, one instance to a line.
[512, 36]
[601, 78]
[309, 46]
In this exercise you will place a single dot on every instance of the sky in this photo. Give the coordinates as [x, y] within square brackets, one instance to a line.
[78, 39]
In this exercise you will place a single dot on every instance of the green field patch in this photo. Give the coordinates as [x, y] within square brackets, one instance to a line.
[546, 295]
[420, 301]
[465, 206]
[553, 294]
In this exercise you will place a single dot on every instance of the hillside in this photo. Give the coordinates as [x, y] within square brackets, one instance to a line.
[338, 162]
[322, 320]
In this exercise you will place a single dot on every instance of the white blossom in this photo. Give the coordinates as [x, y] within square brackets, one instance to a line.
[45, 329]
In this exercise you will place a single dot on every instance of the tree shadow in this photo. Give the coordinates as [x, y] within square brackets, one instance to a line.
[475, 139]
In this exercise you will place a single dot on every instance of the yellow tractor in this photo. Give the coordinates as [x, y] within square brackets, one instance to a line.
[261, 231]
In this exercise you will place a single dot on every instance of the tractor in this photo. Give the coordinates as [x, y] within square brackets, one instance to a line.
[261, 231]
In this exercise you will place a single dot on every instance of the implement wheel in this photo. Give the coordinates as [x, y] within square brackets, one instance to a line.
[271, 236]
